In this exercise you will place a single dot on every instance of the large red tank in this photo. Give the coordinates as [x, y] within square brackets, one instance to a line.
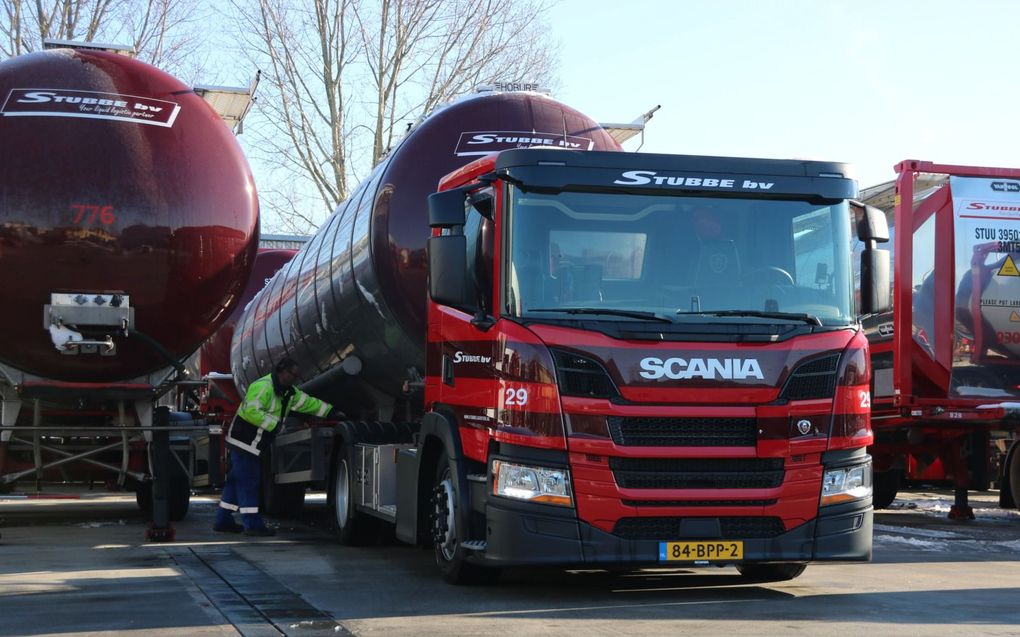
[214, 356]
[116, 178]
[356, 292]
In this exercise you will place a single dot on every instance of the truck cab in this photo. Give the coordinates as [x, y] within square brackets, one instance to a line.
[640, 359]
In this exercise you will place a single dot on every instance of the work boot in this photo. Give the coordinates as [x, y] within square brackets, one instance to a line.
[260, 531]
[225, 523]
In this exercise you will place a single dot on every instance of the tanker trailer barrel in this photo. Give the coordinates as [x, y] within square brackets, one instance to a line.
[144, 218]
[351, 306]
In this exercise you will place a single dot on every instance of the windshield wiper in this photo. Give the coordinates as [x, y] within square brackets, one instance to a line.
[635, 314]
[792, 316]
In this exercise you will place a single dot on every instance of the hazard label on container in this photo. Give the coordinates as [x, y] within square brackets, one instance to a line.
[1008, 268]
[1014, 317]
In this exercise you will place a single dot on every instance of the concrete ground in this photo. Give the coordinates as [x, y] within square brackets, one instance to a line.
[81, 567]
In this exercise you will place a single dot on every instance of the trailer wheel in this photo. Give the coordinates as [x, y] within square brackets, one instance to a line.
[886, 485]
[352, 529]
[279, 500]
[770, 572]
[447, 525]
[1014, 475]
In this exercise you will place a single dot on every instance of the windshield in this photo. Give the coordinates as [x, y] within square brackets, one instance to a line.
[678, 257]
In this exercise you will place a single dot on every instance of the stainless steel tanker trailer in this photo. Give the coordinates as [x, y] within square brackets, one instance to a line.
[350, 307]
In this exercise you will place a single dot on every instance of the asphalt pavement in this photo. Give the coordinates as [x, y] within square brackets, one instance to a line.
[82, 567]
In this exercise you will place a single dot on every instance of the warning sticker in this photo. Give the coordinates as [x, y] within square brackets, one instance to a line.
[998, 302]
[1008, 268]
[986, 224]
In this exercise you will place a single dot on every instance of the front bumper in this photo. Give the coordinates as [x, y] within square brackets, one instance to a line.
[522, 534]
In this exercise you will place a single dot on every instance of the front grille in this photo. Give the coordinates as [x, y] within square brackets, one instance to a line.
[697, 473]
[813, 379]
[582, 376]
[684, 432]
[731, 528]
[699, 503]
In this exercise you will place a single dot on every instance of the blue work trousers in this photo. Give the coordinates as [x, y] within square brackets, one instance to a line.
[241, 491]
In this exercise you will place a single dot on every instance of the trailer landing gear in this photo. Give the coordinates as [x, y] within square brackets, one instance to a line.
[153, 534]
[160, 529]
[961, 509]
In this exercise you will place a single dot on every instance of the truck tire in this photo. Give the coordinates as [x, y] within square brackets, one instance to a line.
[770, 572]
[352, 528]
[886, 485]
[1013, 475]
[446, 524]
[279, 500]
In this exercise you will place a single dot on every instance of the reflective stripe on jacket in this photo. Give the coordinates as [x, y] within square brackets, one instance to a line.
[263, 410]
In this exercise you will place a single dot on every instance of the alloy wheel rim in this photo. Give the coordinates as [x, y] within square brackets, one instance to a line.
[446, 526]
[342, 494]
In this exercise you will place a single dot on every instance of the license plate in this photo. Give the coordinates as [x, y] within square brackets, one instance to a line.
[700, 551]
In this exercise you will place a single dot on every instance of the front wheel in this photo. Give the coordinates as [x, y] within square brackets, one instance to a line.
[886, 486]
[448, 528]
[770, 572]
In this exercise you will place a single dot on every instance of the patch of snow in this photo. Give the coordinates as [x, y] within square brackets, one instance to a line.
[941, 507]
[924, 545]
[1013, 545]
[922, 532]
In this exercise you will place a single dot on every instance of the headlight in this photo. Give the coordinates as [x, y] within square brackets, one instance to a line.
[534, 484]
[846, 484]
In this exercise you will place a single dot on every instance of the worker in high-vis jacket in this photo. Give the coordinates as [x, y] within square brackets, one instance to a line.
[266, 404]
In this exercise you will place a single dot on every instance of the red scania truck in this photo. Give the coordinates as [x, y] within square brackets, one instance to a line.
[576, 356]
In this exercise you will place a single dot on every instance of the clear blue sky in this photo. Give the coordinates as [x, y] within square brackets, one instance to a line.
[862, 81]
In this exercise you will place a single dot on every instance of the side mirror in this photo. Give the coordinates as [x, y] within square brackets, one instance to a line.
[876, 296]
[873, 226]
[483, 203]
[446, 208]
[448, 268]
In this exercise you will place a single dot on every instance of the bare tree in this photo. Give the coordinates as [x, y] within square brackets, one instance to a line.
[305, 54]
[163, 32]
[343, 78]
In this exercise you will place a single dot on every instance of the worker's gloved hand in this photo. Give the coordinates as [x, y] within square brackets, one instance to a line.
[336, 414]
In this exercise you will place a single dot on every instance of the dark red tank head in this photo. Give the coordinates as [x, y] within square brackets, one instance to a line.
[116, 178]
[215, 352]
[450, 138]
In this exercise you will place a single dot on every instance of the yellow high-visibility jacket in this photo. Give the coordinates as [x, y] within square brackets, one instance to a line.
[263, 410]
